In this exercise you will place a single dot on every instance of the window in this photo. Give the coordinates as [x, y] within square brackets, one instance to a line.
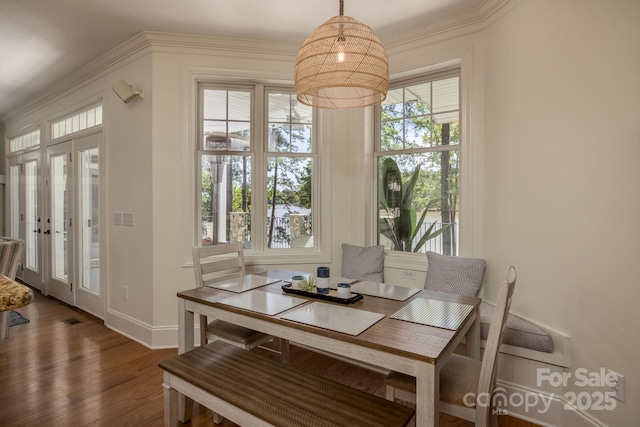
[255, 183]
[82, 120]
[418, 155]
[22, 142]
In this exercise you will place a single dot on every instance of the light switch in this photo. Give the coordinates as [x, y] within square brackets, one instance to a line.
[127, 219]
[117, 218]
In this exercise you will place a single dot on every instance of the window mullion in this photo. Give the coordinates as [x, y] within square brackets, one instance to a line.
[259, 173]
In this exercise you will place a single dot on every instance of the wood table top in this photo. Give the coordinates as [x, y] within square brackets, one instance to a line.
[412, 340]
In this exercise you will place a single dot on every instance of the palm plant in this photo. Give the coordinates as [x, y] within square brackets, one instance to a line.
[400, 225]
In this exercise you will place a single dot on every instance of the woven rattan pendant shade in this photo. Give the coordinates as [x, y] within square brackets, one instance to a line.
[342, 64]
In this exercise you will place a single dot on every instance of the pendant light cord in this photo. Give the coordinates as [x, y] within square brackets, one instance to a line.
[341, 7]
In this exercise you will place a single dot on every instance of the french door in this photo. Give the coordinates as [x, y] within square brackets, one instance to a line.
[59, 275]
[90, 289]
[73, 224]
[26, 216]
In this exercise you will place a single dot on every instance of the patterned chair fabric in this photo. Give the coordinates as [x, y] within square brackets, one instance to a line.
[13, 294]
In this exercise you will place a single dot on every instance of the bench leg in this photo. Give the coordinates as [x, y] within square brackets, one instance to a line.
[283, 347]
[170, 397]
[203, 330]
[4, 325]
[185, 408]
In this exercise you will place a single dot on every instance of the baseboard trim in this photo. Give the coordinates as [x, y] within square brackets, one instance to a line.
[559, 412]
[155, 338]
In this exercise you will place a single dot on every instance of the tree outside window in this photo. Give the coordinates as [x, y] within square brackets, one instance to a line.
[228, 158]
[290, 163]
[418, 167]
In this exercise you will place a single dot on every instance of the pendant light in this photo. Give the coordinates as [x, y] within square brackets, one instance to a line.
[342, 64]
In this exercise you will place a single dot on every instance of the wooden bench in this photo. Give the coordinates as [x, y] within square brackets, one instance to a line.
[251, 390]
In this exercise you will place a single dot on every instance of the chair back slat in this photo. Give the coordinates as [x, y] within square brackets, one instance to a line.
[488, 369]
[218, 262]
[213, 266]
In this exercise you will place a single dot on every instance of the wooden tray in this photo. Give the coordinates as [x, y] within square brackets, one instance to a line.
[326, 297]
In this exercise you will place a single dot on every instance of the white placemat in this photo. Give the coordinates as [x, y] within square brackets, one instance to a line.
[384, 290]
[333, 317]
[432, 312]
[244, 283]
[263, 302]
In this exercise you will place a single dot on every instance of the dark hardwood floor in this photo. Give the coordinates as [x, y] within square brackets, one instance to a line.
[53, 373]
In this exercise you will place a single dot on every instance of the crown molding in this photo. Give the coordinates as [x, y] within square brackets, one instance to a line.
[453, 25]
[235, 46]
[151, 41]
[135, 46]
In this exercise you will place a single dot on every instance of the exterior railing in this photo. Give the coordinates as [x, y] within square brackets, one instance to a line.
[288, 228]
[444, 243]
[285, 229]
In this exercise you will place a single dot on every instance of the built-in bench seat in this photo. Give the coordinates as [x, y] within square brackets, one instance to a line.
[523, 338]
[518, 332]
[257, 391]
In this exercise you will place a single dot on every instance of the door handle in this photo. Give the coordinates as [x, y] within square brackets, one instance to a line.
[47, 232]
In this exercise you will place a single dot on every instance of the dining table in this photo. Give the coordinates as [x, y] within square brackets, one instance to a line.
[407, 330]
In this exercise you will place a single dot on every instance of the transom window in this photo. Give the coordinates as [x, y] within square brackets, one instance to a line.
[418, 158]
[22, 142]
[76, 122]
[255, 182]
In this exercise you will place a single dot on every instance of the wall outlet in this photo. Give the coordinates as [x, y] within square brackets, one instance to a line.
[260, 269]
[125, 293]
[409, 274]
[615, 384]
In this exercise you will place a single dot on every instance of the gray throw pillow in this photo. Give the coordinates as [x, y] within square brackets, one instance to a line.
[455, 275]
[362, 263]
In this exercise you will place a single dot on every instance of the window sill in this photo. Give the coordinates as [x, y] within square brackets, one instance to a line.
[285, 258]
[405, 260]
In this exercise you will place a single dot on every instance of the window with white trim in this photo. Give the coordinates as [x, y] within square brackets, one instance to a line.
[22, 142]
[418, 159]
[256, 168]
[76, 122]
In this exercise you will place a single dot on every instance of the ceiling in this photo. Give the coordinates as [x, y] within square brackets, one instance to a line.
[42, 41]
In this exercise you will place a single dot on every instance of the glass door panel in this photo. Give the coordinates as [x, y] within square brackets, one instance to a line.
[89, 221]
[89, 249]
[32, 219]
[26, 204]
[59, 212]
[59, 235]
[14, 200]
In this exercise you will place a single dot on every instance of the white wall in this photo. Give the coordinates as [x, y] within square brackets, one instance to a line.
[553, 138]
[175, 75]
[128, 147]
[562, 146]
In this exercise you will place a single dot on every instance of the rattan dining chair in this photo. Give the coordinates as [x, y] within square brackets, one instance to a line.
[226, 261]
[462, 375]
